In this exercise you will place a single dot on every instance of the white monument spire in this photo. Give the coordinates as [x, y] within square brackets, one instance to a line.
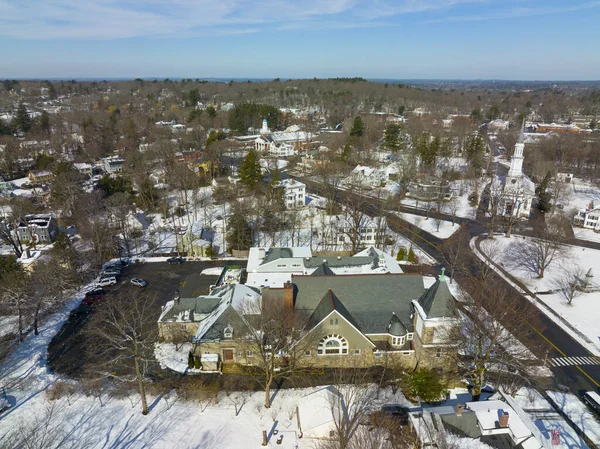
[516, 162]
[265, 127]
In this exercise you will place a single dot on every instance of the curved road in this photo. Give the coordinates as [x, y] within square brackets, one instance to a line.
[546, 339]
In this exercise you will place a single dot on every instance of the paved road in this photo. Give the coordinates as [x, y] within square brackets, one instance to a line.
[545, 338]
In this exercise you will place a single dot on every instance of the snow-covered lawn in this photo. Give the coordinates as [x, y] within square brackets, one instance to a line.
[446, 228]
[584, 311]
[578, 413]
[586, 234]
[546, 418]
[9, 325]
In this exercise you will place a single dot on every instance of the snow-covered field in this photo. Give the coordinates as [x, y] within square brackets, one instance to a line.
[583, 312]
[446, 228]
[578, 413]
[586, 234]
[8, 325]
[546, 418]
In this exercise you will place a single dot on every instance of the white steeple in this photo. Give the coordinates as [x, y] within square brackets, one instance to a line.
[265, 127]
[516, 162]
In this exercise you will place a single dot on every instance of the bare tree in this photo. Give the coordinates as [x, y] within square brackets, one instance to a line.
[487, 340]
[351, 399]
[569, 282]
[125, 330]
[15, 293]
[535, 254]
[453, 249]
[354, 213]
[277, 342]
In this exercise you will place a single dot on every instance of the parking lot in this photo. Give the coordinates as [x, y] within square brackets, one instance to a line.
[69, 351]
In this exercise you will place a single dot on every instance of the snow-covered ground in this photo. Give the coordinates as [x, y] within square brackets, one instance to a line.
[582, 314]
[446, 228]
[586, 234]
[546, 418]
[578, 413]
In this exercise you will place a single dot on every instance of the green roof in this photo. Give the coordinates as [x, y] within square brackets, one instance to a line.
[328, 304]
[370, 299]
[437, 301]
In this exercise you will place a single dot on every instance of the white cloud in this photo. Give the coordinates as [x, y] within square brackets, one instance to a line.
[112, 19]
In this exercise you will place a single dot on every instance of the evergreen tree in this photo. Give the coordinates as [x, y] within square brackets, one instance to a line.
[425, 384]
[45, 121]
[211, 111]
[475, 149]
[401, 254]
[240, 234]
[412, 257]
[427, 150]
[190, 360]
[391, 138]
[400, 110]
[276, 192]
[358, 127]
[22, 119]
[250, 173]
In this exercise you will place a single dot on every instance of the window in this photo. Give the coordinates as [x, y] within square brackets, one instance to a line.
[309, 353]
[249, 354]
[356, 351]
[438, 352]
[409, 336]
[281, 266]
[332, 434]
[397, 341]
[228, 332]
[332, 345]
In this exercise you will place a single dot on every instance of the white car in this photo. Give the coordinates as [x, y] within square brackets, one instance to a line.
[105, 282]
[138, 282]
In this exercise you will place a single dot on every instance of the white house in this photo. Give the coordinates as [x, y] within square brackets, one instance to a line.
[365, 175]
[337, 231]
[498, 125]
[267, 139]
[294, 193]
[282, 149]
[588, 218]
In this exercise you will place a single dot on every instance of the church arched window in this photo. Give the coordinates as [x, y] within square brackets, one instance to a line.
[332, 345]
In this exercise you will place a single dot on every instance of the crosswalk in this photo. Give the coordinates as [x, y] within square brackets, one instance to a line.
[574, 361]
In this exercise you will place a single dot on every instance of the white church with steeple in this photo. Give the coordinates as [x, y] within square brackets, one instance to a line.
[515, 191]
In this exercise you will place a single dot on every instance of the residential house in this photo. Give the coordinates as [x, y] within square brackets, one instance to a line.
[40, 176]
[352, 321]
[367, 176]
[37, 228]
[113, 164]
[497, 423]
[296, 139]
[588, 218]
[84, 168]
[294, 193]
[498, 125]
[338, 231]
[273, 267]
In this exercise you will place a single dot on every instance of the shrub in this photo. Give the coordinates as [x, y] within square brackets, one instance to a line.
[412, 257]
[191, 361]
[401, 254]
[197, 364]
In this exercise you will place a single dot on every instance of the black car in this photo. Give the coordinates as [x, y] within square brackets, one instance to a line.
[94, 292]
[175, 260]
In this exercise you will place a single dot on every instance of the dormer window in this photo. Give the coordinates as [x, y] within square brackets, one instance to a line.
[228, 332]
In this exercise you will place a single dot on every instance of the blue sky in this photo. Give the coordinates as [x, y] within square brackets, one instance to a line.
[467, 39]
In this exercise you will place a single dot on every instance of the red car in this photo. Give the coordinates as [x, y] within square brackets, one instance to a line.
[91, 299]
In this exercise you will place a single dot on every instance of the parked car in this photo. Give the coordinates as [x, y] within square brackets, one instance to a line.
[175, 260]
[105, 282]
[138, 282]
[109, 273]
[91, 299]
[592, 399]
[96, 291]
